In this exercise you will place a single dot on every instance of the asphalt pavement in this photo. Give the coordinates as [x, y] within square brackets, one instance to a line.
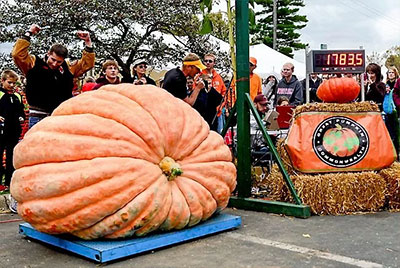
[264, 240]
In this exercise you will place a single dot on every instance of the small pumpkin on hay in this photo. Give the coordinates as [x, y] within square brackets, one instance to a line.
[338, 90]
[337, 152]
[120, 161]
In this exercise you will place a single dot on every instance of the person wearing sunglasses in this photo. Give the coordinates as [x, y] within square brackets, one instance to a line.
[139, 76]
[217, 81]
[175, 79]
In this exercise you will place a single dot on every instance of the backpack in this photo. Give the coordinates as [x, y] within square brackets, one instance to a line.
[388, 104]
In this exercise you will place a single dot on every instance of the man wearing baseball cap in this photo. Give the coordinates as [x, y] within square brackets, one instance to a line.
[261, 103]
[175, 79]
[255, 80]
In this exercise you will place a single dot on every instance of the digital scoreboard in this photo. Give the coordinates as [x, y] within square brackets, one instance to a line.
[336, 61]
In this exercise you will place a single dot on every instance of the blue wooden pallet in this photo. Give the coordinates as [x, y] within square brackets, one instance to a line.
[109, 250]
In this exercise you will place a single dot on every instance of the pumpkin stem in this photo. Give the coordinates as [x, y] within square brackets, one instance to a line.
[339, 127]
[170, 168]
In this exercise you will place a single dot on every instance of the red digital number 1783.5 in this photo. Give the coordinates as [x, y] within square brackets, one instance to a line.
[344, 59]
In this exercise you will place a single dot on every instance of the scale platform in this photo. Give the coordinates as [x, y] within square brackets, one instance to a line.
[109, 250]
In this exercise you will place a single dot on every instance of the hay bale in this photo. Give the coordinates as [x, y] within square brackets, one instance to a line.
[287, 163]
[274, 184]
[331, 193]
[392, 178]
[364, 106]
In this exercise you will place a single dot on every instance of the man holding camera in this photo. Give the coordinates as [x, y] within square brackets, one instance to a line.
[175, 79]
[218, 84]
[207, 101]
[49, 79]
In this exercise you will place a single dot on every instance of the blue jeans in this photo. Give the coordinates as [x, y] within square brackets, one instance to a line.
[221, 121]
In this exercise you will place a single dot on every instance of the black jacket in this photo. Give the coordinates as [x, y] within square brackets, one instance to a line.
[47, 88]
[102, 81]
[206, 104]
[313, 89]
[11, 109]
[375, 92]
[130, 79]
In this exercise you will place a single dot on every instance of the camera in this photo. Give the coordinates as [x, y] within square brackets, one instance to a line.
[205, 84]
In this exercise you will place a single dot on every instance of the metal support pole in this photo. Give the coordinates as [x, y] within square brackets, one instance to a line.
[242, 87]
[272, 149]
[242, 200]
[307, 78]
[362, 87]
[275, 20]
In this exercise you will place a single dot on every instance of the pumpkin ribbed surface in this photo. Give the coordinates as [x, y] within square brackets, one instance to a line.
[340, 90]
[120, 161]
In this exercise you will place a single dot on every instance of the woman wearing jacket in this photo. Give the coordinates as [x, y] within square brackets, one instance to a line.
[139, 76]
[375, 89]
[269, 87]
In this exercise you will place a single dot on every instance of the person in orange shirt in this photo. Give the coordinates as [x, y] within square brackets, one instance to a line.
[217, 81]
[255, 80]
[255, 84]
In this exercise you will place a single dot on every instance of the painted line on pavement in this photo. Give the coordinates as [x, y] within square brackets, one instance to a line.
[308, 251]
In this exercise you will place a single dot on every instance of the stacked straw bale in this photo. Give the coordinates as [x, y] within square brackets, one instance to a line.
[336, 193]
[330, 193]
[392, 178]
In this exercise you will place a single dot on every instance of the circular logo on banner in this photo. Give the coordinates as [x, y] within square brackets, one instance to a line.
[340, 142]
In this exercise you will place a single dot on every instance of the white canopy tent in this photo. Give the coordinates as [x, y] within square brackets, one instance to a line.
[271, 61]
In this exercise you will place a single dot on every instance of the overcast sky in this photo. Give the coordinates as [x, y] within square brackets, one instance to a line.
[349, 24]
[345, 24]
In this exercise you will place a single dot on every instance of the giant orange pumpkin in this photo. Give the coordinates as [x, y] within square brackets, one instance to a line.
[120, 161]
[340, 90]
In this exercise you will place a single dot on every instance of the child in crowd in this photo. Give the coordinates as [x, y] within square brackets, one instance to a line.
[11, 116]
[282, 101]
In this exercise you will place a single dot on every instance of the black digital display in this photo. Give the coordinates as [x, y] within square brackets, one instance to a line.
[338, 61]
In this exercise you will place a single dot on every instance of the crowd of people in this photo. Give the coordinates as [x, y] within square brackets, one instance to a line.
[50, 81]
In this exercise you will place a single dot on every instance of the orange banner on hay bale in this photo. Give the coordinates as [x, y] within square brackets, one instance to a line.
[339, 141]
